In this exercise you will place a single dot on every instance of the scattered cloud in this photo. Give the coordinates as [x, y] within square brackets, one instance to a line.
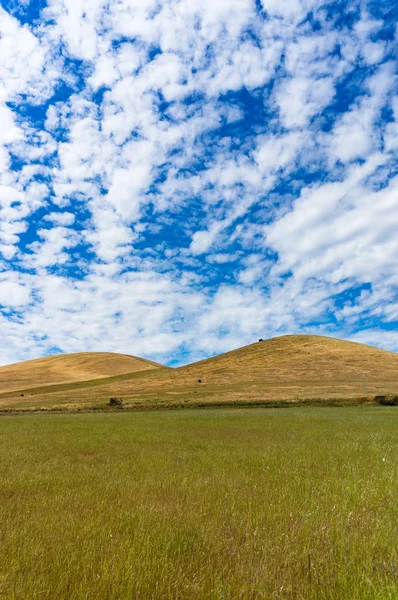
[181, 177]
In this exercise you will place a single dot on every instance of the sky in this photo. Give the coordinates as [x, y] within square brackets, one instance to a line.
[179, 178]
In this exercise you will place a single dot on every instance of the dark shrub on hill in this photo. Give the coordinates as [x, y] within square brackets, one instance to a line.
[116, 402]
[387, 400]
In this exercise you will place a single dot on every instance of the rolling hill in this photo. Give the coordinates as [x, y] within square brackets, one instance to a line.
[288, 368]
[297, 358]
[69, 368]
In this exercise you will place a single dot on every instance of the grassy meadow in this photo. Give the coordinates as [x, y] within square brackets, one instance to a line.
[296, 503]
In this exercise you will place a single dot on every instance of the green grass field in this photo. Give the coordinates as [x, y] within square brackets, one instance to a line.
[297, 503]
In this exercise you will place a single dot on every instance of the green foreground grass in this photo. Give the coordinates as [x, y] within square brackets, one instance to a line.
[296, 503]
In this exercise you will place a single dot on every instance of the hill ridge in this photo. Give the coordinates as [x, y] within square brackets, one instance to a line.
[288, 368]
[76, 354]
[286, 337]
[69, 368]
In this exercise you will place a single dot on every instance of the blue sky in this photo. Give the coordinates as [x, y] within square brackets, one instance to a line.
[180, 178]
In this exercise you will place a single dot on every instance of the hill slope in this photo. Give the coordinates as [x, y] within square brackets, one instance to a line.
[68, 368]
[297, 358]
[285, 368]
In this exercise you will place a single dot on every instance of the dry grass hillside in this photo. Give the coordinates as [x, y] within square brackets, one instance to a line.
[68, 368]
[293, 358]
[290, 368]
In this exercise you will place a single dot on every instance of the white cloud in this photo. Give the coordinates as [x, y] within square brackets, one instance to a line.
[23, 62]
[50, 251]
[355, 136]
[376, 337]
[203, 240]
[12, 293]
[301, 98]
[9, 132]
[342, 232]
[289, 9]
[61, 218]
[109, 236]
[275, 152]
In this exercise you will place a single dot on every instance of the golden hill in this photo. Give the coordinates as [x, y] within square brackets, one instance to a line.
[288, 368]
[297, 358]
[68, 368]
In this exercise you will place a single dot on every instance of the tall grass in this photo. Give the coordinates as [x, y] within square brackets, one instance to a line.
[214, 504]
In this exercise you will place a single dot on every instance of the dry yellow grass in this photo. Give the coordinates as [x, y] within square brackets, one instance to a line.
[67, 368]
[293, 358]
[288, 368]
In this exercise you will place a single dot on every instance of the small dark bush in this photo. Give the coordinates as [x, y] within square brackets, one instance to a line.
[387, 400]
[199, 381]
[21, 395]
[261, 340]
[379, 399]
[115, 402]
